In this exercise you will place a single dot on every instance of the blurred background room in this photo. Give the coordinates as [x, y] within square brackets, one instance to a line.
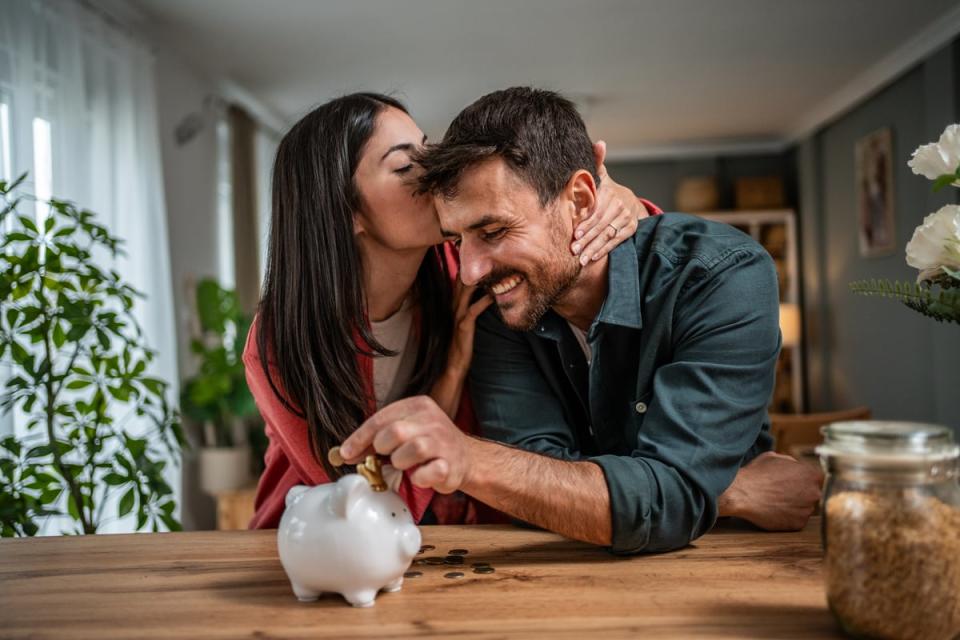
[793, 121]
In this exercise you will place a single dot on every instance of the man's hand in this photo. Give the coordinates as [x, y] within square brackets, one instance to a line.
[415, 431]
[774, 492]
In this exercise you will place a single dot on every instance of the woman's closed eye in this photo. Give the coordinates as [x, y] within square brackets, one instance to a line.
[404, 169]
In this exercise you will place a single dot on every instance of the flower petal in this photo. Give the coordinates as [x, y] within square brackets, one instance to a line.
[934, 242]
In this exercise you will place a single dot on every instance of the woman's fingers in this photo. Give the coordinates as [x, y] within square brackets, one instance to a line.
[479, 306]
[582, 233]
[602, 248]
[606, 225]
[600, 155]
[461, 301]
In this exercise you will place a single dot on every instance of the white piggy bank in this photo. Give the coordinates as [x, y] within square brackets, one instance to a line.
[346, 538]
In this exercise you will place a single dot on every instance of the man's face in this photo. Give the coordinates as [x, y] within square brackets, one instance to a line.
[514, 249]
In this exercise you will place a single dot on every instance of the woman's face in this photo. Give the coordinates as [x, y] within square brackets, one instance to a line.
[391, 214]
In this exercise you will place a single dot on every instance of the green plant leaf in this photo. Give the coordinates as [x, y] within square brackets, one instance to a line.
[59, 335]
[126, 503]
[941, 304]
[943, 181]
[72, 509]
[115, 479]
[50, 303]
[28, 223]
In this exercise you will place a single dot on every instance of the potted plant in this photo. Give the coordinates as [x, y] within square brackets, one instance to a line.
[217, 397]
[78, 372]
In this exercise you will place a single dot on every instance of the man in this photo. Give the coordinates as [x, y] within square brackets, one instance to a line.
[624, 395]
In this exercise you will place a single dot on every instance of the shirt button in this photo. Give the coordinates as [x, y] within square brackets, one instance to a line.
[641, 407]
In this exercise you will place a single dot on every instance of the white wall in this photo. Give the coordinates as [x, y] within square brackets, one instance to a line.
[189, 175]
[871, 351]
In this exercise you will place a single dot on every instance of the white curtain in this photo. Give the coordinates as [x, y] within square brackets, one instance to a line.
[266, 143]
[78, 105]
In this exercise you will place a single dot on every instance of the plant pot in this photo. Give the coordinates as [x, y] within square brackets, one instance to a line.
[224, 469]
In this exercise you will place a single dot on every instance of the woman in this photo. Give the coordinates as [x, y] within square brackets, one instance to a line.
[361, 304]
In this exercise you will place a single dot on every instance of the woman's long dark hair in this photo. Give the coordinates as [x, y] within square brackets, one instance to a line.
[312, 313]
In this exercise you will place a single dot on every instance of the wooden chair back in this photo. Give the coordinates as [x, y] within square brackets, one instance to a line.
[797, 434]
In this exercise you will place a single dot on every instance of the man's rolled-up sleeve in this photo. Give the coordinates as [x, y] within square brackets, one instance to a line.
[705, 411]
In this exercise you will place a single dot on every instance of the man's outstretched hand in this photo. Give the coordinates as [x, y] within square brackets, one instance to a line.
[416, 433]
[774, 492]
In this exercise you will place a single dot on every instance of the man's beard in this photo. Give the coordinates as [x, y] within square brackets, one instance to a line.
[545, 286]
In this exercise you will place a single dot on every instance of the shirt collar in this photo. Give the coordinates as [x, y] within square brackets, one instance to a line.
[622, 305]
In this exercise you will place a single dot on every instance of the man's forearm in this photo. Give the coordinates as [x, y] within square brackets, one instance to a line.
[569, 498]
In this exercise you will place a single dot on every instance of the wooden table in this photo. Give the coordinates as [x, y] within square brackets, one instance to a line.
[729, 584]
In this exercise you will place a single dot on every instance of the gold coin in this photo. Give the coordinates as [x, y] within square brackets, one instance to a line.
[334, 457]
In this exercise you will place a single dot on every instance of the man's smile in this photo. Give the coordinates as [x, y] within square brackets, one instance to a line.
[506, 285]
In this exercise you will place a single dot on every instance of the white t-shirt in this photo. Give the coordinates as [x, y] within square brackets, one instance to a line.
[581, 337]
[392, 373]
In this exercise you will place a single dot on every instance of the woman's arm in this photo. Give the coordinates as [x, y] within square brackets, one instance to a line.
[448, 389]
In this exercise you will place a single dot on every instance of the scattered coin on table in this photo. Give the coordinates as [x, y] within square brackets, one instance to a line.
[426, 547]
[453, 560]
[433, 560]
[453, 574]
[484, 570]
[412, 574]
[457, 552]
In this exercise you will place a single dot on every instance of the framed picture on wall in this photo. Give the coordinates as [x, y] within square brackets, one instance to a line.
[874, 174]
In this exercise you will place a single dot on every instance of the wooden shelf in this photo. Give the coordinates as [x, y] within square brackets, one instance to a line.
[235, 508]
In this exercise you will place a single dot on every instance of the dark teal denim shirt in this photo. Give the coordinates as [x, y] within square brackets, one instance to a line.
[675, 397]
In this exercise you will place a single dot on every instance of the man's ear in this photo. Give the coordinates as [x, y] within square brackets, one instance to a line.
[581, 192]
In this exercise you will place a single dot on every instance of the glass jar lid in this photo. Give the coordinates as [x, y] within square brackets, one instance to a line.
[882, 442]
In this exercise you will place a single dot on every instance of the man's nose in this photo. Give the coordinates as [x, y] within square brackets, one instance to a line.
[474, 266]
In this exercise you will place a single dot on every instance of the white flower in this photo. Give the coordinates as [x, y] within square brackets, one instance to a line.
[936, 243]
[937, 158]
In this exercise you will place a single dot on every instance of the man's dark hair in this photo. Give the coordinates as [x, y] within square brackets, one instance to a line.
[538, 133]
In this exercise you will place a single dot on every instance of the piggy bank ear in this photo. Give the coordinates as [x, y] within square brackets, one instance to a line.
[349, 490]
[295, 493]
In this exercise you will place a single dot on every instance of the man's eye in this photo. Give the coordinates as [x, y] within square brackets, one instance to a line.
[405, 169]
[494, 235]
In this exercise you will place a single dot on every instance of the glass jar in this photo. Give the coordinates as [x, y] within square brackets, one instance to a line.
[891, 529]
